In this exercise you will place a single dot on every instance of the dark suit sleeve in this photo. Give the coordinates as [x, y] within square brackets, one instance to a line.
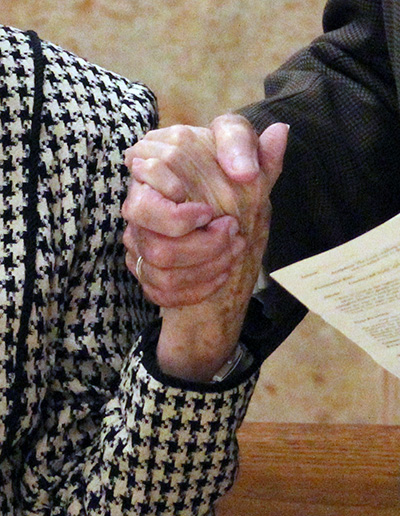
[341, 169]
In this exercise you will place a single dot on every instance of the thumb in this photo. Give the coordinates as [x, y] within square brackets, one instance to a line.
[271, 150]
[236, 146]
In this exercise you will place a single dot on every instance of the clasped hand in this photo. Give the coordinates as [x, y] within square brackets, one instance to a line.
[198, 213]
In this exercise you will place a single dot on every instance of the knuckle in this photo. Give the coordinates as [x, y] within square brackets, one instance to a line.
[233, 126]
[129, 262]
[128, 155]
[129, 207]
[137, 149]
[180, 133]
[143, 170]
[126, 240]
[151, 163]
[171, 155]
[129, 240]
[124, 210]
[175, 190]
[228, 118]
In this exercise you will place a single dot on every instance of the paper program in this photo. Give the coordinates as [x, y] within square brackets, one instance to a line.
[356, 288]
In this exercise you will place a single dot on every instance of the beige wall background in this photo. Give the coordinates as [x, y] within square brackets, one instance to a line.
[203, 58]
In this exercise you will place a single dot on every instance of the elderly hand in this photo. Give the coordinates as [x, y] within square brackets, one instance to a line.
[185, 270]
[210, 328]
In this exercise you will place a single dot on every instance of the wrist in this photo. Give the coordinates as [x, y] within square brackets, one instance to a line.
[192, 352]
[147, 345]
[191, 364]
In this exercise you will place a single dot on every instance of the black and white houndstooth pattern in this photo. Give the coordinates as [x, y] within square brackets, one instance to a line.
[85, 429]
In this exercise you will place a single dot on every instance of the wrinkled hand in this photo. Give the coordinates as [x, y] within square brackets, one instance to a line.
[181, 164]
[185, 270]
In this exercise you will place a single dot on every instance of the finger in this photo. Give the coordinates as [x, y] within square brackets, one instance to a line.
[164, 135]
[149, 148]
[174, 157]
[169, 288]
[129, 155]
[157, 175]
[237, 147]
[149, 209]
[169, 280]
[195, 248]
[272, 149]
[178, 134]
[162, 138]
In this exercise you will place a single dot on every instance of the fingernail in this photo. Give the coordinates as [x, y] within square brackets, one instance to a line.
[243, 164]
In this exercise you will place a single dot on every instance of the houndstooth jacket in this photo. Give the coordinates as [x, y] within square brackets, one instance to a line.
[88, 424]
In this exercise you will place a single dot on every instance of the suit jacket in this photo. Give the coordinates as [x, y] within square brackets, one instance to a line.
[342, 167]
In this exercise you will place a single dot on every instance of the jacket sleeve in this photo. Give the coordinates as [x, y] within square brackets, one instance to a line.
[114, 436]
[341, 170]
